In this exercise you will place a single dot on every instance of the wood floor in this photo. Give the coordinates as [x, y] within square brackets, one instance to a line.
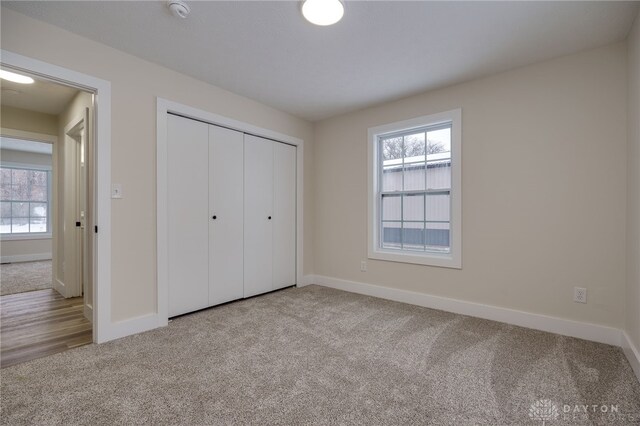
[40, 323]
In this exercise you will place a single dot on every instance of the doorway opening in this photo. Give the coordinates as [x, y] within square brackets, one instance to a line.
[47, 196]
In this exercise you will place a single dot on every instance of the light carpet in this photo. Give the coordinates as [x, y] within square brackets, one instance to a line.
[321, 356]
[25, 276]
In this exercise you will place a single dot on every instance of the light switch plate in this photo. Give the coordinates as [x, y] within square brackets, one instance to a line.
[116, 190]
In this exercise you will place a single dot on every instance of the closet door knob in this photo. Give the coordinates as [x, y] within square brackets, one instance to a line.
[214, 217]
[269, 217]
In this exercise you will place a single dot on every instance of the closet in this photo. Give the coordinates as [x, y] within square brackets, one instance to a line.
[231, 215]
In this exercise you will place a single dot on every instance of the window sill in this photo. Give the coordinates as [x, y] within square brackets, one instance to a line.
[20, 237]
[430, 259]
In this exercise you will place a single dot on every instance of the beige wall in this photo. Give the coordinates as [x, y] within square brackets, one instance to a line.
[134, 86]
[544, 177]
[28, 121]
[16, 249]
[633, 188]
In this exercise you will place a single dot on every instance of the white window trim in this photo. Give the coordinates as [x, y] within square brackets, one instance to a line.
[33, 235]
[453, 259]
[24, 236]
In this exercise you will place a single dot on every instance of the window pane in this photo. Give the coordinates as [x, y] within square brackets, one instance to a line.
[17, 188]
[38, 210]
[413, 236]
[20, 224]
[391, 234]
[414, 146]
[38, 177]
[437, 236]
[38, 224]
[5, 191]
[38, 193]
[20, 192]
[439, 174]
[438, 207]
[5, 225]
[413, 207]
[392, 178]
[439, 143]
[414, 150]
[391, 207]
[439, 159]
[20, 209]
[5, 176]
[5, 209]
[20, 176]
[392, 149]
[414, 176]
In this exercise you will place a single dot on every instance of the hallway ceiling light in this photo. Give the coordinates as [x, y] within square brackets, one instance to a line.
[179, 8]
[16, 78]
[323, 12]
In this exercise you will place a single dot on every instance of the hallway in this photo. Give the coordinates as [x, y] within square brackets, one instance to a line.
[40, 323]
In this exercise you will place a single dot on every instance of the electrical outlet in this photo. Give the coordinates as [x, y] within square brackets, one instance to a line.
[363, 266]
[580, 295]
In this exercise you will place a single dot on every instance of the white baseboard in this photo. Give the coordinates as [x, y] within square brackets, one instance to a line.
[632, 353]
[582, 330]
[60, 287]
[119, 329]
[306, 280]
[25, 257]
[88, 312]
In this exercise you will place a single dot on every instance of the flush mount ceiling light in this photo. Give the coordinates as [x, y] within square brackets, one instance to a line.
[323, 12]
[16, 78]
[178, 8]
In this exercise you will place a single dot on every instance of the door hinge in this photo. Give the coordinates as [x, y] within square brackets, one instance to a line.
[96, 228]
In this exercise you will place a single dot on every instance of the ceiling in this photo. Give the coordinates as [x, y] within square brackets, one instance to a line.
[41, 96]
[379, 52]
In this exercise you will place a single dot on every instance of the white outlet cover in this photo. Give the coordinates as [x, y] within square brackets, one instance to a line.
[580, 294]
[116, 190]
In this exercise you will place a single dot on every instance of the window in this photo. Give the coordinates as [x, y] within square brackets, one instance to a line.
[414, 191]
[24, 200]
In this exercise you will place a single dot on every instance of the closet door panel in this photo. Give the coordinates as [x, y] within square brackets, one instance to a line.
[226, 202]
[284, 215]
[258, 202]
[188, 245]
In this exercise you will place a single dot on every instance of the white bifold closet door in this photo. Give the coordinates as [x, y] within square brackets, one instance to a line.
[226, 206]
[258, 213]
[284, 215]
[231, 215]
[187, 192]
[270, 215]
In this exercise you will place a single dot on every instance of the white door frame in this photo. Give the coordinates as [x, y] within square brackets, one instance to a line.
[70, 175]
[164, 107]
[103, 329]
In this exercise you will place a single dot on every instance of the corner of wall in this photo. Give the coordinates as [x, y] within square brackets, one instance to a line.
[631, 334]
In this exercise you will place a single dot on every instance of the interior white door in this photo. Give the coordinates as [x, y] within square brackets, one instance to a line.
[226, 210]
[188, 219]
[284, 215]
[258, 205]
[71, 283]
